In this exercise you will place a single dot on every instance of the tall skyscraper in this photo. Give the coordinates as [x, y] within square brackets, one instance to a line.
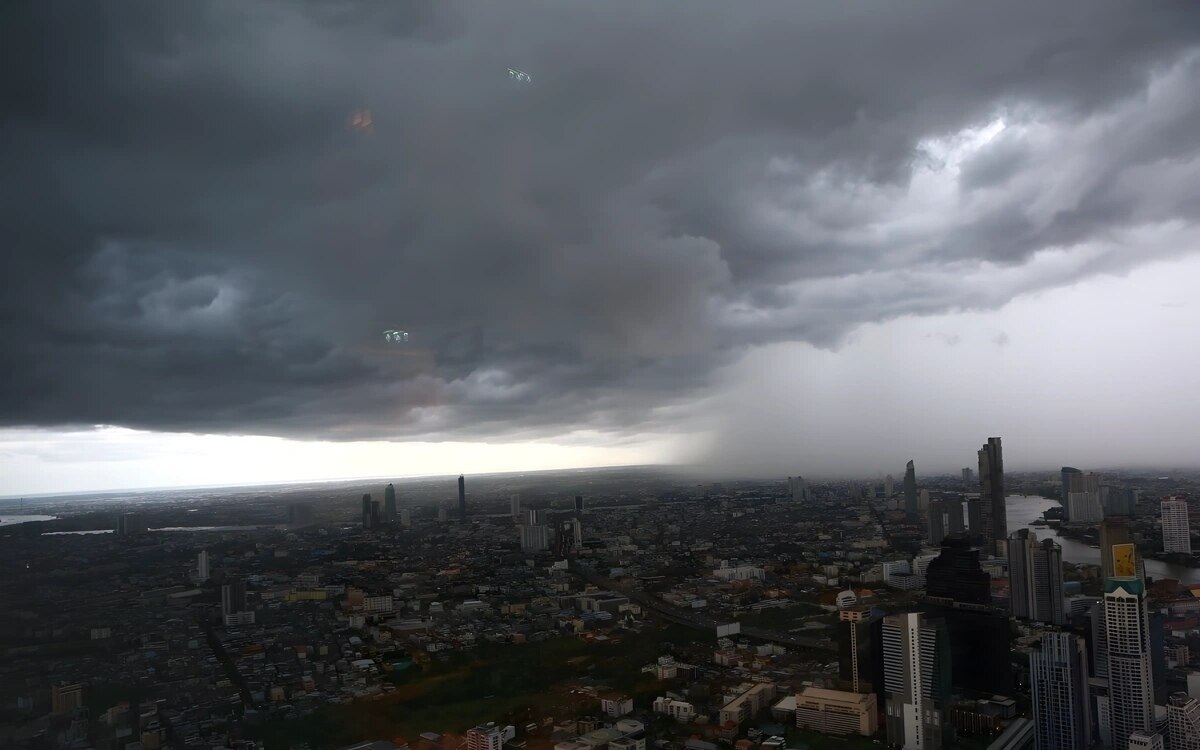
[916, 674]
[937, 521]
[956, 574]
[954, 516]
[1035, 578]
[860, 651]
[1084, 504]
[366, 511]
[202, 566]
[1183, 722]
[1066, 473]
[534, 538]
[389, 503]
[514, 505]
[968, 476]
[1130, 674]
[991, 491]
[910, 493]
[462, 498]
[798, 489]
[1116, 539]
[579, 503]
[1058, 675]
[1177, 534]
[975, 518]
[233, 596]
[889, 486]
[376, 515]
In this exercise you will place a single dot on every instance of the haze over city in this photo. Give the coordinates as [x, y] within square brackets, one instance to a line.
[738, 238]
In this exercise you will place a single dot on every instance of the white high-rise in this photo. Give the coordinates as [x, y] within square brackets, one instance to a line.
[1130, 675]
[202, 566]
[1177, 536]
[1059, 678]
[1183, 723]
[798, 488]
[916, 677]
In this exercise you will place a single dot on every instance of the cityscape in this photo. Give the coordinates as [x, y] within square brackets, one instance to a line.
[609, 375]
[618, 608]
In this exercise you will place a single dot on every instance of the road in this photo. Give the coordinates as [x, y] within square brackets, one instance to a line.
[694, 619]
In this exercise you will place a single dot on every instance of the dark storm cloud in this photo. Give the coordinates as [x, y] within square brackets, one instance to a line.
[195, 238]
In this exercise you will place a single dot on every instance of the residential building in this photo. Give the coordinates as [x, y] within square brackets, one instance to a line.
[1177, 535]
[837, 712]
[1130, 671]
[680, 711]
[534, 538]
[1059, 690]
[798, 489]
[489, 736]
[991, 492]
[937, 522]
[202, 571]
[514, 505]
[1067, 473]
[1035, 578]
[1183, 722]
[916, 659]
[1083, 500]
[616, 705]
[750, 700]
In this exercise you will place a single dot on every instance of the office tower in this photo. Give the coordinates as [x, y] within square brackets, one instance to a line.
[233, 596]
[202, 566]
[910, 493]
[1083, 498]
[1158, 656]
[937, 522]
[65, 697]
[916, 679]
[514, 506]
[923, 501]
[1177, 536]
[1066, 473]
[389, 503]
[1145, 741]
[376, 516]
[968, 476]
[300, 514]
[406, 517]
[889, 485]
[442, 515]
[1099, 650]
[1183, 722]
[954, 516]
[860, 651]
[366, 511]
[579, 503]
[975, 518]
[462, 498]
[534, 538]
[1035, 578]
[798, 489]
[1116, 541]
[991, 492]
[1130, 674]
[1058, 677]
[956, 574]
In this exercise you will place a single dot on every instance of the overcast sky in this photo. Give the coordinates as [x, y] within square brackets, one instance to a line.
[766, 237]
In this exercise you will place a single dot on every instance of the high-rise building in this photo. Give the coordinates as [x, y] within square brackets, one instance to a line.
[376, 514]
[798, 489]
[910, 493]
[968, 476]
[923, 501]
[1116, 540]
[1130, 674]
[488, 737]
[1177, 534]
[202, 566]
[954, 516]
[514, 505]
[937, 522]
[389, 503]
[1066, 473]
[535, 516]
[406, 517]
[1183, 722]
[956, 574]
[534, 538]
[462, 498]
[366, 511]
[300, 514]
[233, 596]
[1035, 581]
[916, 678]
[975, 518]
[579, 503]
[889, 486]
[860, 651]
[1084, 504]
[1059, 688]
[991, 492]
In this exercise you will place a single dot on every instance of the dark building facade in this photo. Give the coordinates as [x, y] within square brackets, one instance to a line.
[366, 511]
[389, 503]
[980, 647]
[956, 574]
[910, 493]
[991, 492]
[462, 498]
[1066, 473]
[937, 521]
[860, 652]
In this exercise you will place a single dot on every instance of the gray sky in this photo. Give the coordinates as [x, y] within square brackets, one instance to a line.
[705, 231]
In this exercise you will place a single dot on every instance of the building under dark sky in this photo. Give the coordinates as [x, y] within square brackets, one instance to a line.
[366, 511]
[389, 503]
[991, 490]
[956, 573]
[462, 498]
[910, 493]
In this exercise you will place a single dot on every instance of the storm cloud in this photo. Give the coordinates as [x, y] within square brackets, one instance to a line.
[196, 239]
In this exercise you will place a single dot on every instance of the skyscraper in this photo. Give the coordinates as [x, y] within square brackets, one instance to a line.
[798, 489]
[1115, 532]
[1084, 504]
[1035, 578]
[579, 503]
[860, 644]
[389, 503]
[937, 521]
[1183, 723]
[910, 492]
[366, 511]
[1177, 535]
[233, 596]
[956, 574]
[462, 498]
[991, 490]
[968, 476]
[954, 516]
[889, 486]
[975, 518]
[1066, 473]
[202, 566]
[514, 505]
[916, 674]
[1130, 674]
[1059, 688]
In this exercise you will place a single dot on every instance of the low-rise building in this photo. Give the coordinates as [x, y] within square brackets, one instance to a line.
[837, 711]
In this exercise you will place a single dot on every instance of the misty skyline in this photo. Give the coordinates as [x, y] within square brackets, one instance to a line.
[818, 238]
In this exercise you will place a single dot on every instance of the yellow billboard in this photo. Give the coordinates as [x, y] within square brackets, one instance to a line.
[1124, 560]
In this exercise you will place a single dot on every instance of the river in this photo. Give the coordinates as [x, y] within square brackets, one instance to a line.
[1023, 510]
[14, 520]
